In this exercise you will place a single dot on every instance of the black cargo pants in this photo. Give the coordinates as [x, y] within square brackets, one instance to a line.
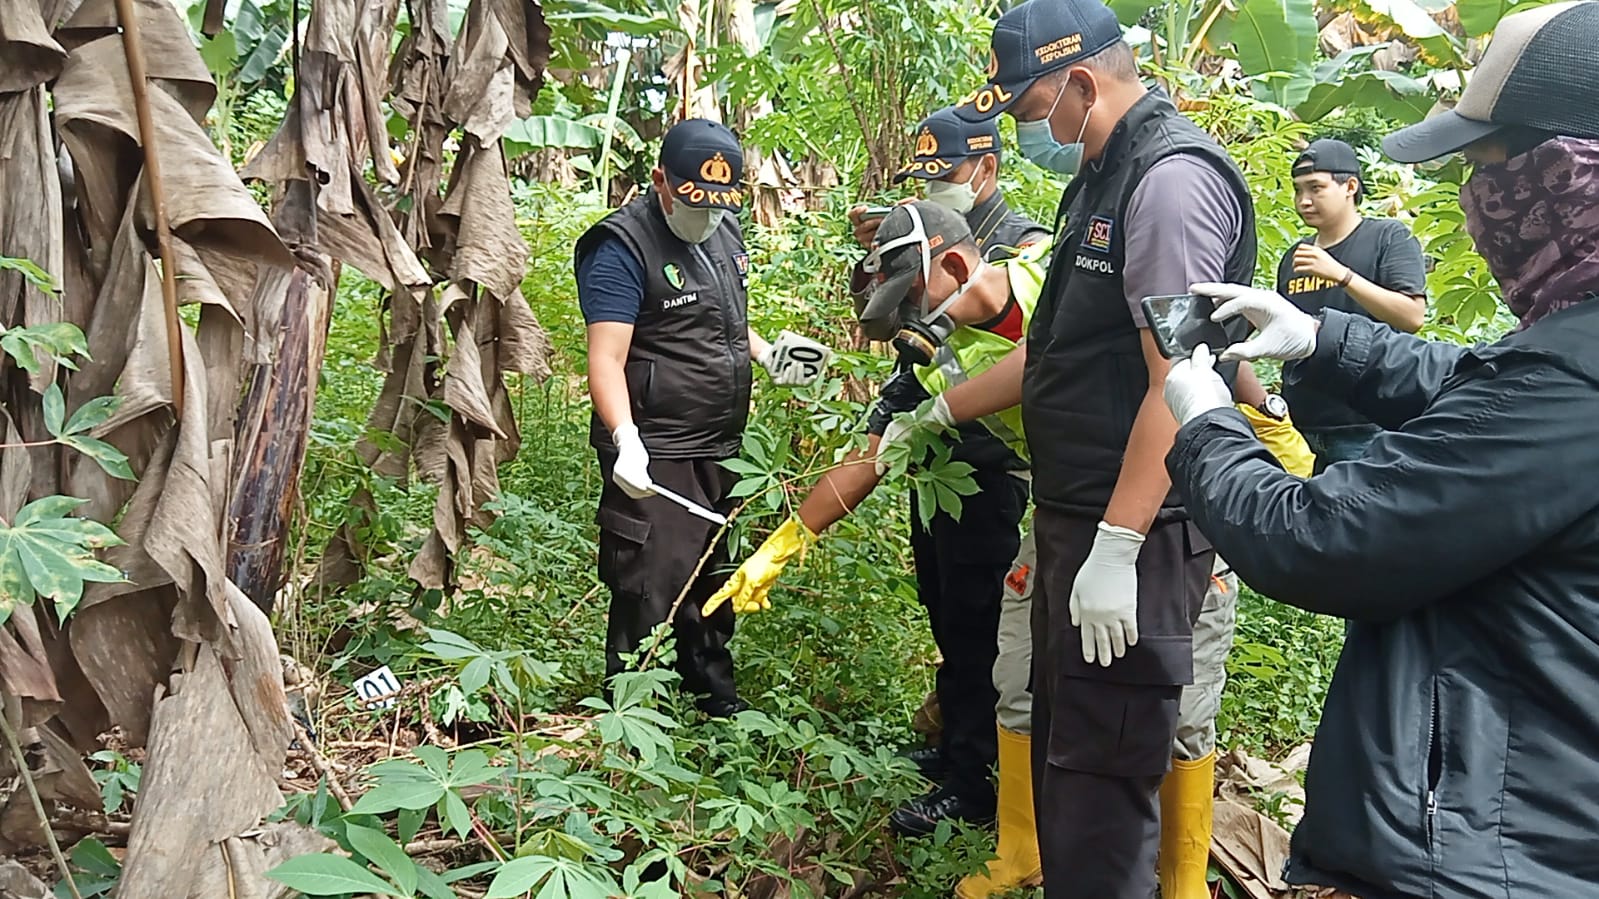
[1102, 737]
[648, 550]
[960, 579]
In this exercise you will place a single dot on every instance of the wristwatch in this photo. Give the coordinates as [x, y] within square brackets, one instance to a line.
[1274, 406]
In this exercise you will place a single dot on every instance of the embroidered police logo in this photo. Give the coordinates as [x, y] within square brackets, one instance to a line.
[673, 274]
[1100, 229]
[926, 144]
[742, 261]
[717, 169]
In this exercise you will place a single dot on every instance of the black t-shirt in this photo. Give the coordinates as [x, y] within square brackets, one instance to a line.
[1384, 252]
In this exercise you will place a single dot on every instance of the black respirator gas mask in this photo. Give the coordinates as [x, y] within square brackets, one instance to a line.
[915, 331]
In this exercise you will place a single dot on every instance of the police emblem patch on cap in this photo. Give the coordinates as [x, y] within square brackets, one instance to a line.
[717, 169]
[1100, 230]
[926, 143]
[673, 274]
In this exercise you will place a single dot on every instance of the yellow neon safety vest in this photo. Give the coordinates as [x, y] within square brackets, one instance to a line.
[971, 351]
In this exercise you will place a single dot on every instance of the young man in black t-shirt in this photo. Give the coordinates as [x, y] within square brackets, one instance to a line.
[1370, 267]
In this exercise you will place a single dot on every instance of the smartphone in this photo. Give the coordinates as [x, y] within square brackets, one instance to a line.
[876, 212]
[1181, 323]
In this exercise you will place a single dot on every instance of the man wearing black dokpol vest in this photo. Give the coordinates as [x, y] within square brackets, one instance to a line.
[1153, 205]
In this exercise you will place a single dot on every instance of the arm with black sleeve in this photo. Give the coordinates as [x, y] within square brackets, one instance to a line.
[1428, 509]
[1387, 376]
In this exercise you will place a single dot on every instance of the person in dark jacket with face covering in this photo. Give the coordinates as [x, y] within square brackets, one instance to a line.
[1458, 752]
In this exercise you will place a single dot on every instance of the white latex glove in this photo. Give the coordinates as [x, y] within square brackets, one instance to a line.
[1286, 332]
[632, 471]
[794, 361]
[930, 415]
[1104, 600]
[1193, 387]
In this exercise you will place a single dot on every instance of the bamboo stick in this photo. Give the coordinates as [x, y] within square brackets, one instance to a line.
[133, 49]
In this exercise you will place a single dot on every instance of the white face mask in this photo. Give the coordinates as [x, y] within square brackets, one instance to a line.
[953, 195]
[693, 225]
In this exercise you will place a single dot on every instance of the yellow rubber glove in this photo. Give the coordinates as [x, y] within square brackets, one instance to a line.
[1283, 439]
[748, 586]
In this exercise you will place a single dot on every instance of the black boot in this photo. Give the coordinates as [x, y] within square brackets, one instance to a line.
[929, 760]
[920, 816]
[721, 707]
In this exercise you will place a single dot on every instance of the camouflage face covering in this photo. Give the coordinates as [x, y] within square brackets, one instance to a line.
[1535, 219]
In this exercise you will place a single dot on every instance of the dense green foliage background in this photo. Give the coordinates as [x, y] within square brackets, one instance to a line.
[550, 788]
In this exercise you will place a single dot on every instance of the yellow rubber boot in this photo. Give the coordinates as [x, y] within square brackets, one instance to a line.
[1185, 824]
[1018, 864]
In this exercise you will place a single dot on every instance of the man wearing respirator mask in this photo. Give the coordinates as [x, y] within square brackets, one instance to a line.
[661, 283]
[952, 315]
[1455, 755]
[958, 163]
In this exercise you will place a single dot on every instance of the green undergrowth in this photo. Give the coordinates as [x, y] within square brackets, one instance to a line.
[568, 796]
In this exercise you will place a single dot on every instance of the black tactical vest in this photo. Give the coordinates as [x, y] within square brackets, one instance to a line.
[688, 369]
[998, 229]
[1085, 376]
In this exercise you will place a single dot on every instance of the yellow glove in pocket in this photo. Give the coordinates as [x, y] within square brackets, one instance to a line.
[748, 586]
[1283, 439]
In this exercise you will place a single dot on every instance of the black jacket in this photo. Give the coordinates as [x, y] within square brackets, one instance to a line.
[688, 367]
[1458, 752]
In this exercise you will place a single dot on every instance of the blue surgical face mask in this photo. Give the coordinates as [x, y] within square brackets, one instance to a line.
[1036, 139]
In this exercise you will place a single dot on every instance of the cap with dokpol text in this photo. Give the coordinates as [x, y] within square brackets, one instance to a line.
[944, 140]
[1327, 155]
[911, 236]
[1034, 39]
[1541, 70]
[704, 165]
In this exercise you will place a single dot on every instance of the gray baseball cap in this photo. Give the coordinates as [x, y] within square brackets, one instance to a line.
[1541, 70]
[911, 236]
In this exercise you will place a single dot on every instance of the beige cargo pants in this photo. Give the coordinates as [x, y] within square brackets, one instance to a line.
[1213, 639]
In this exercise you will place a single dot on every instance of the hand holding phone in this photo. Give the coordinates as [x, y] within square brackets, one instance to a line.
[864, 222]
[1181, 322]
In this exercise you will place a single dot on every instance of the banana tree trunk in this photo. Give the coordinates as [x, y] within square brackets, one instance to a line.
[274, 426]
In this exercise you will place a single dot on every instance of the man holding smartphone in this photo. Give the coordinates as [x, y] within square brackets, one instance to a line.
[1364, 266]
[1122, 573]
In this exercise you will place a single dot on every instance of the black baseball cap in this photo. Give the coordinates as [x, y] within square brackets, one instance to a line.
[1540, 71]
[944, 140]
[1327, 155]
[1034, 39]
[704, 165]
[896, 257]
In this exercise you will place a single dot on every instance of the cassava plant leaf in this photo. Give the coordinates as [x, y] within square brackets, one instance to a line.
[45, 553]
